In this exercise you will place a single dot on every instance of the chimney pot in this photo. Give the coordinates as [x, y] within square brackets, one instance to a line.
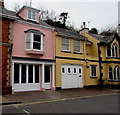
[2, 3]
[84, 23]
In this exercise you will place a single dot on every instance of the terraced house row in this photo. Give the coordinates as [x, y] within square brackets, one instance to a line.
[37, 56]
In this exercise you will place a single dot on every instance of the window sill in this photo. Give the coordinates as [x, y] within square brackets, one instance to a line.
[113, 80]
[112, 57]
[93, 77]
[77, 52]
[66, 51]
[31, 20]
[34, 52]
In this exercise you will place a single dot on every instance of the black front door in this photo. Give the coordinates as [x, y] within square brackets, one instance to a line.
[47, 74]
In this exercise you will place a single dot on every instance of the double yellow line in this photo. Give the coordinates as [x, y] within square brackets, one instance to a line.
[58, 100]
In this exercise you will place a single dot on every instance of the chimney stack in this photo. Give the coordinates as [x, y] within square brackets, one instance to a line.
[2, 3]
[84, 28]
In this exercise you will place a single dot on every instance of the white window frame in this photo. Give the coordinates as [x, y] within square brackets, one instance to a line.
[115, 70]
[91, 71]
[66, 44]
[77, 46]
[20, 65]
[31, 15]
[31, 42]
[115, 52]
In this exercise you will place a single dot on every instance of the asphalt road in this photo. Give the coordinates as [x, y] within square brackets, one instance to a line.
[95, 104]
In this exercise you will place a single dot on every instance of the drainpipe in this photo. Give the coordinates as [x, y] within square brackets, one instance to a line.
[100, 66]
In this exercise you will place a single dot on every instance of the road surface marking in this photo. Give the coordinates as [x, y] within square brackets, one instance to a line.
[26, 111]
[16, 106]
[22, 104]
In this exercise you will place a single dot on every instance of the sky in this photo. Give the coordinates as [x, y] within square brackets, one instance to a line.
[100, 14]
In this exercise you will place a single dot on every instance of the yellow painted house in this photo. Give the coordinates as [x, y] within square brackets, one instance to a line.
[83, 58]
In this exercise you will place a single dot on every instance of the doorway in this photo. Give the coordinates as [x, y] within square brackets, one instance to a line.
[47, 77]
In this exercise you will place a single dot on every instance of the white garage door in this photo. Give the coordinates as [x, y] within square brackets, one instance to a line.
[72, 76]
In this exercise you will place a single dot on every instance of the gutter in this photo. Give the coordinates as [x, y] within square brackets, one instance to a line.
[8, 16]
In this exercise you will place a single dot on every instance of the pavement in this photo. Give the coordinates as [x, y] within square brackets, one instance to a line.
[50, 95]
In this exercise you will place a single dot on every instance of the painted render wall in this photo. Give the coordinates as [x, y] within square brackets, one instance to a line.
[106, 65]
[23, 14]
[19, 41]
[86, 70]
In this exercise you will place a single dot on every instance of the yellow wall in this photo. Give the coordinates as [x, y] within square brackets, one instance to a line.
[58, 47]
[86, 71]
[105, 72]
[90, 59]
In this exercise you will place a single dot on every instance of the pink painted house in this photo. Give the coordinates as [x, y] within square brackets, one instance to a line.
[33, 57]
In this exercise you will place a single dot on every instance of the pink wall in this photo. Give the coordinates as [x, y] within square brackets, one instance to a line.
[37, 17]
[19, 42]
[23, 14]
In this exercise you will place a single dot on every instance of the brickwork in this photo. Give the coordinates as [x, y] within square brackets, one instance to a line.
[6, 88]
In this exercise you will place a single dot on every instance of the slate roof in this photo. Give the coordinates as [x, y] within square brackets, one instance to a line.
[7, 13]
[69, 34]
[103, 39]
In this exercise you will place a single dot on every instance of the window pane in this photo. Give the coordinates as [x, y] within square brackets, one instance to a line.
[36, 73]
[29, 14]
[116, 52]
[110, 74]
[16, 73]
[28, 45]
[79, 70]
[108, 51]
[93, 70]
[36, 46]
[30, 73]
[77, 45]
[33, 15]
[119, 74]
[63, 70]
[113, 53]
[76, 48]
[74, 70]
[23, 73]
[65, 44]
[28, 41]
[65, 47]
[37, 38]
[68, 70]
[65, 41]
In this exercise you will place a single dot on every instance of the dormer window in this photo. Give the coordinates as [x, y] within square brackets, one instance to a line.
[31, 15]
[34, 40]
